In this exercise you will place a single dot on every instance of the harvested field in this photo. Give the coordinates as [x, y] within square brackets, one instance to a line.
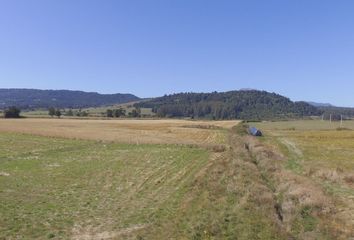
[77, 189]
[61, 188]
[55, 182]
[124, 131]
[83, 179]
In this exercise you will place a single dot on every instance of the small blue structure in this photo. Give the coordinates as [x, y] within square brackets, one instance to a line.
[254, 132]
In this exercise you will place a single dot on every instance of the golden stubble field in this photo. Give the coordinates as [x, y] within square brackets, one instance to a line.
[124, 131]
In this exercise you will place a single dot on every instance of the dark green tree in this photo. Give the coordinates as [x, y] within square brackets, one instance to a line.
[58, 113]
[109, 113]
[120, 112]
[136, 112]
[51, 111]
[12, 112]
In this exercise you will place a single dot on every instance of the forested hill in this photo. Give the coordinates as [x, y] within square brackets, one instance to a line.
[248, 105]
[33, 98]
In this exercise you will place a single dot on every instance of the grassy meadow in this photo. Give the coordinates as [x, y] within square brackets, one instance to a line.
[321, 152]
[61, 188]
[314, 144]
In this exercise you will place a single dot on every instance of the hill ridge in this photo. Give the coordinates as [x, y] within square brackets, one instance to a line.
[237, 104]
[37, 98]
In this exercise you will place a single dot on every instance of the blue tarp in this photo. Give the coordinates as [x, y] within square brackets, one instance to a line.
[254, 132]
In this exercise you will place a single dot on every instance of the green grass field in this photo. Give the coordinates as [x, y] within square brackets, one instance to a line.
[58, 188]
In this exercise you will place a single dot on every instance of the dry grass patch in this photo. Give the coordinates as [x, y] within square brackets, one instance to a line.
[316, 151]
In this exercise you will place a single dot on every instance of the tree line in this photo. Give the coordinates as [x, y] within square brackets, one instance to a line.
[120, 112]
[246, 105]
[110, 113]
[69, 113]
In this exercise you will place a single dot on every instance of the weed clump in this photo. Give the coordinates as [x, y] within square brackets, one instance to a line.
[343, 129]
[349, 179]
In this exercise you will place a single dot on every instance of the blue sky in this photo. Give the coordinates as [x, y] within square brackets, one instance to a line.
[303, 49]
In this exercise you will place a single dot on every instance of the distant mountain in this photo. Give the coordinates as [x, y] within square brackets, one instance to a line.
[247, 105]
[34, 98]
[316, 104]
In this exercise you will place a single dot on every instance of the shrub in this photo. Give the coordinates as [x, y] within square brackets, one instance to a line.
[51, 111]
[58, 113]
[109, 113]
[12, 112]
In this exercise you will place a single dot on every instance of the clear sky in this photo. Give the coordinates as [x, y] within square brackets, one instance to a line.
[303, 49]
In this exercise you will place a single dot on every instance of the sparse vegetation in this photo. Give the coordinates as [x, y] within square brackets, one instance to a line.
[69, 113]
